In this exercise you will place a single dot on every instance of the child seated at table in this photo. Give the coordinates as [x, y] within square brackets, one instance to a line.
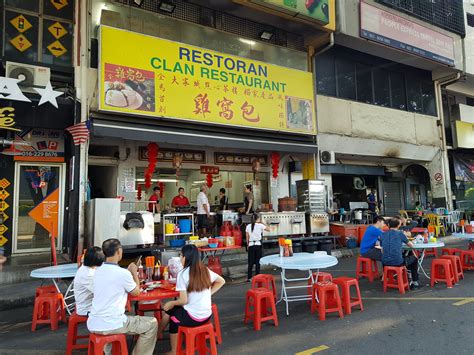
[195, 284]
[83, 282]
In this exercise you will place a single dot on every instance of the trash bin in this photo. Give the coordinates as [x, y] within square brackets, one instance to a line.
[297, 248]
[325, 245]
[310, 246]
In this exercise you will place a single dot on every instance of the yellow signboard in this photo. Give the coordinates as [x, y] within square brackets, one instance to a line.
[57, 30]
[465, 134]
[21, 23]
[149, 76]
[21, 43]
[59, 4]
[57, 49]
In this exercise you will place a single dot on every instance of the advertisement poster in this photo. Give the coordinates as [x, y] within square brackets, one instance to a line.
[38, 145]
[397, 32]
[314, 9]
[148, 76]
[463, 167]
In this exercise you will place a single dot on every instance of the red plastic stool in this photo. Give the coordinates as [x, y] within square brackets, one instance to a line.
[431, 252]
[98, 342]
[264, 281]
[216, 323]
[442, 270]
[345, 284]
[195, 338]
[72, 336]
[258, 298]
[471, 246]
[43, 291]
[321, 277]
[389, 280]
[367, 268]
[150, 307]
[467, 259]
[450, 251]
[329, 299]
[457, 267]
[54, 302]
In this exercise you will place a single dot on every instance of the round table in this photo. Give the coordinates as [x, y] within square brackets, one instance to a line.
[58, 272]
[422, 248]
[299, 261]
[466, 236]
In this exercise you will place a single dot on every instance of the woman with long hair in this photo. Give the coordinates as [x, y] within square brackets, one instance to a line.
[196, 284]
[254, 232]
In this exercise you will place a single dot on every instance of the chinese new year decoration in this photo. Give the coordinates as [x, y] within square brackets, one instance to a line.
[275, 164]
[177, 162]
[139, 192]
[161, 185]
[209, 180]
[152, 158]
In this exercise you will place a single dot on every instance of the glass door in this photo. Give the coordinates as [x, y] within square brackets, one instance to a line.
[38, 201]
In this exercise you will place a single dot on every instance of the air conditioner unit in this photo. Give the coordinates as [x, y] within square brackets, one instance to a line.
[327, 157]
[30, 75]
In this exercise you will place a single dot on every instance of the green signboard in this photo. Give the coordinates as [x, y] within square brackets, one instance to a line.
[314, 9]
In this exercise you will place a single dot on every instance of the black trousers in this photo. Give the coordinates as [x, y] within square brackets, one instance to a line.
[255, 253]
[411, 263]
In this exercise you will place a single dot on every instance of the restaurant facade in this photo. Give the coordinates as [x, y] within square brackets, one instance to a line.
[181, 104]
[382, 79]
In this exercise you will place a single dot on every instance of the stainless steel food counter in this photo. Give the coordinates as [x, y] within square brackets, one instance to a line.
[284, 223]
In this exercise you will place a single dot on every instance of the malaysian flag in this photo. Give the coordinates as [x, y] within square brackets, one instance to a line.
[79, 132]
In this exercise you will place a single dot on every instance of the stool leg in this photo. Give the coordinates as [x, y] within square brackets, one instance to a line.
[179, 343]
[337, 296]
[217, 325]
[322, 305]
[274, 312]
[359, 296]
[71, 336]
[257, 313]
[53, 314]
[190, 345]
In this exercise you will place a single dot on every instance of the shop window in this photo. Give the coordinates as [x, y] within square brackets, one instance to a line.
[24, 5]
[345, 70]
[381, 88]
[364, 83]
[397, 88]
[469, 101]
[470, 19]
[325, 75]
[428, 97]
[414, 96]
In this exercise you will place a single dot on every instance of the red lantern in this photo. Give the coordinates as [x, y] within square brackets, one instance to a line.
[152, 150]
[161, 185]
[209, 180]
[139, 192]
[275, 164]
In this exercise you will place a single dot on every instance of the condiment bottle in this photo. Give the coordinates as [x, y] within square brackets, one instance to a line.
[156, 273]
[425, 238]
[290, 248]
[141, 274]
[165, 274]
[286, 252]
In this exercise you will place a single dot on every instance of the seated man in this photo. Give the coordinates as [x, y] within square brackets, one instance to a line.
[112, 284]
[83, 282]
[391, 242]
[370, 246]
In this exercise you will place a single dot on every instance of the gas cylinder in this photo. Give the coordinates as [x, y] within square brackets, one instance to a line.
[237, 234]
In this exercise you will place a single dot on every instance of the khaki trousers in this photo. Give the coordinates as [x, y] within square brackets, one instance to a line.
[145, 327]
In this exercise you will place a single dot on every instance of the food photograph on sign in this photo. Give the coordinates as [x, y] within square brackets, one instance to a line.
[130, 88]
[150, 76]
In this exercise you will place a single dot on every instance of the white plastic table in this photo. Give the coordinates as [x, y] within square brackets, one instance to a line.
[57, 273]
[299, 261]
[422, 248]
[466, 236]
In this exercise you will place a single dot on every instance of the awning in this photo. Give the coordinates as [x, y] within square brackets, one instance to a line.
[204, 136]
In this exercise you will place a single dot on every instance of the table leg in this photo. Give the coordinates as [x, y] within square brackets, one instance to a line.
[314, 280]
[66, 294]
[420, 263]
[283, 290]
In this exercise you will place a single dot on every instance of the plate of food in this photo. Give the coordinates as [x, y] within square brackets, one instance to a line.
[121, 95]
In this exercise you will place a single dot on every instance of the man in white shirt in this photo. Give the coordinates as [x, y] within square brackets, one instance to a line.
[83, 282]
[203, 209]
[112, 284]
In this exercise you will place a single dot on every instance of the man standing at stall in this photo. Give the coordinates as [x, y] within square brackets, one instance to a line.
[180, 200]
[203, 210]
[154, 205]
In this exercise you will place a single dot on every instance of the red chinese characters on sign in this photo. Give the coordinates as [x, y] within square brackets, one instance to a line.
[208, 169]
[248, 111]
[201, 105]
[225, 106]
[121, 73]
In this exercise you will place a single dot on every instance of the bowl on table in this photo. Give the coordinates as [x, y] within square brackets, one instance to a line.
[213, 245]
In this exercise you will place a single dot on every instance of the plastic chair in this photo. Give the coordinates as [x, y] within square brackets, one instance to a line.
[403, 214]
[329, 299]
[264, 281]
[435, 221]
[345, 283]
[467, 259]
[257, 299]
[322, 276]
[54, 303]
[440, 211]
[457, 266]
[367, 268]
[195, 338]
[442, 271]
[431, 252]
[400, 282]
[98, 342]
[453, 220]
[72, 336]
[451, 251]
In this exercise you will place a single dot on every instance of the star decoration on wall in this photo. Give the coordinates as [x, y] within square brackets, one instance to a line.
[48, 95]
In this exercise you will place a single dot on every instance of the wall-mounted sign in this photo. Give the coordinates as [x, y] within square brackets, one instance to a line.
[21, 23]
[312, 9]
[57, 30]
[239, 159]
[397, 32]
[38, 145]
[164, 154]
[149, 76]
[209, 169]
[7, 119]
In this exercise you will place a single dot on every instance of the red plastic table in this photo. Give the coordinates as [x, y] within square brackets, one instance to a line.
[206, 252]
[158, 294]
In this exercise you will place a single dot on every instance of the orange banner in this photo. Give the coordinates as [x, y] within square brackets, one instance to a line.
[46, 213]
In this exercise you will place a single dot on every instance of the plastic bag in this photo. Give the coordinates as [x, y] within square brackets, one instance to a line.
[174, 266]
